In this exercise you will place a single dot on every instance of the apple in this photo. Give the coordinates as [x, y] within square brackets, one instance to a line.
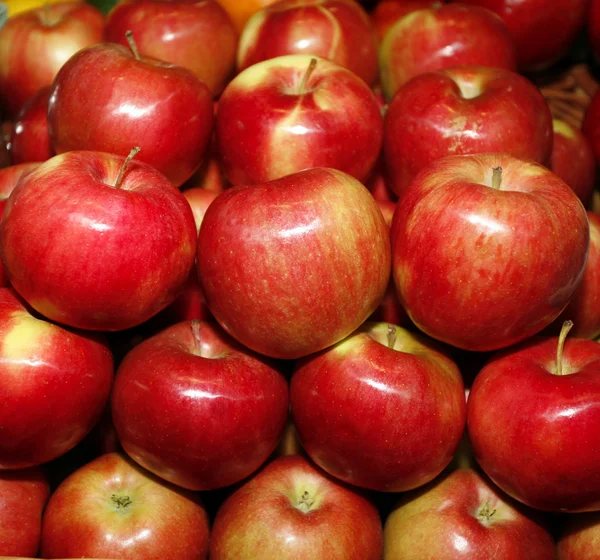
[579, 537]
[294, 265]
[543, 30]
[216, 411]
[462, 515]
[573, 159]
[339, 30]
[439, 37]
[540, 397]
[487, 250]
[464, 110]
[387, 409]
[112, 508]
[387, 12]
[197, 35]
[114, 240]
[137, 101]
[292, 510]
[54, 384]
[23, 495]
[294, 112]
[35, 44]
[30, 139]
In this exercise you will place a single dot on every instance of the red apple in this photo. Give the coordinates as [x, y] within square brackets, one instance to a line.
[441, 37]
[487, 249]
[35, 44]
[30, 139]
[542, 30]
[462, 515]
[136, 101]
[387, 410]
[113, 245]
[573, 159]
[23, 495]
[292, 510]
[294, 265]
[339, 30]
[54, 384]
[112, 508]
[464, 110]
[289, 113]
[541, 398]
[197, 35]
[216, 413]
[579, 537]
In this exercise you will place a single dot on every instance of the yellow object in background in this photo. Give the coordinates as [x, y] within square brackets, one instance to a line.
[18, 6]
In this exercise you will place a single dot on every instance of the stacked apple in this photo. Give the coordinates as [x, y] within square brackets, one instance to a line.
[354, 236]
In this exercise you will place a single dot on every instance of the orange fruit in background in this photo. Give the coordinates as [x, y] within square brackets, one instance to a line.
[240, 10]
[18, 6]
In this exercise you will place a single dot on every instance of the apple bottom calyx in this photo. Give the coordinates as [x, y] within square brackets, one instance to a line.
[121, 502]
[305, 502]
[485, 514]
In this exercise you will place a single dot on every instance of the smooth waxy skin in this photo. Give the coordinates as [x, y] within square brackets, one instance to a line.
[270, 517]
[463, 516]
[196, 35]
[579, 538]
[339, 30]
[556, 430]
[111, 508]
[216, 413]
[441, 37]
[268, 126]
[387, 418]
[387, 12]
[102, 258]
[292, 266]
[542, 30]
[164, 109]
[483, 268]
[464, 110]
[54, 384]
[23, 495]
[35, 45]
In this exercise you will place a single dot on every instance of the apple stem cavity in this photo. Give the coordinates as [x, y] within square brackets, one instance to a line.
[304, 83]
[391, 336]
[562, 337]
[305, 502]
[496, 177]
[134, 152]
[121, 501]
[132, 45]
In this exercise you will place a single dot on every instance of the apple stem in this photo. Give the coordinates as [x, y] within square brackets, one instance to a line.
[311, 66]
[305, 502]
[197, 337]
[496, 177]
[134, 151]
[121, 501]
[132, 45]
[391, 338]
[562, 337]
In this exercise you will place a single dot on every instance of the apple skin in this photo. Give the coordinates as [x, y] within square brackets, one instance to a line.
[196, 35]
[573, 159]
[385, 414]
[579, 537]
[23, 495]
[387, 12]
[294, 265]
[136, 244]
[226, 408]
[267, 127]
[35, 44]
[482, 268]
[30, 139]
[542, 30]
[464, 110]
[441, 37]
[462, 515]
[593, 28]
[112, 508]
[556, 429]
[292, 510]
[339, 30]
[591, 124]
[162, 108]
[55, 383]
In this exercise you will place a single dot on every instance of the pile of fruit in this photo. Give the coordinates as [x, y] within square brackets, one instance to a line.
[300, 279]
